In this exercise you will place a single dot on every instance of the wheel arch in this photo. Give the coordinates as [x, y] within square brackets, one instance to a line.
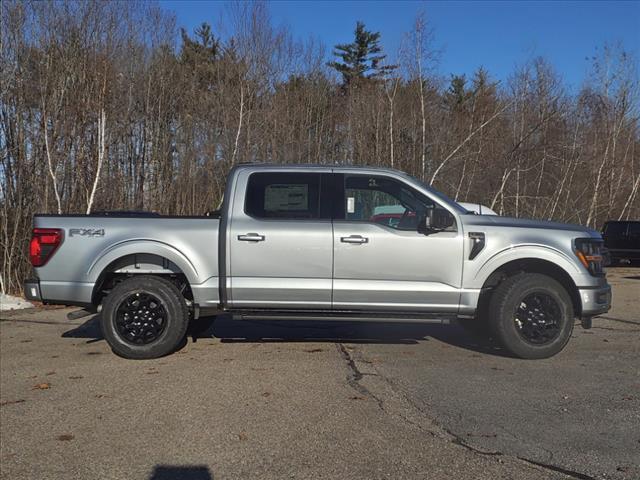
[141, 258]
[533, 265]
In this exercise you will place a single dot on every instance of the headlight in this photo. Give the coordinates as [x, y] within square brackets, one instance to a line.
[589, 252]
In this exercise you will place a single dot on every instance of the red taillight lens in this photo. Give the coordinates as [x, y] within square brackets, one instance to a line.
[44, 243]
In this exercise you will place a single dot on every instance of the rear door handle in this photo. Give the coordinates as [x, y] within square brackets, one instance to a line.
[251, 237]
[354, 239]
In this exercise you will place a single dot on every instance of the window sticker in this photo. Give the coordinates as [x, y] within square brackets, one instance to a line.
[286, 197]
[351, 205]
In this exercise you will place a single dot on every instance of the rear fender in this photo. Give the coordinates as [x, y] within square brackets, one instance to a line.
[145, 247]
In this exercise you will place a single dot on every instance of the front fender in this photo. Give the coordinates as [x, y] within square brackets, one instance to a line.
[478, 276]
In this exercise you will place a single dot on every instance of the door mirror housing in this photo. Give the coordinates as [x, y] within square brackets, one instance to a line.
[434, 221]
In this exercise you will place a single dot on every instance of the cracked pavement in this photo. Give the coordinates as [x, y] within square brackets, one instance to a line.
[320, 400]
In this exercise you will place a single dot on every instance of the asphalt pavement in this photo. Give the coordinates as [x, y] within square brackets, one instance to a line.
[320, 400]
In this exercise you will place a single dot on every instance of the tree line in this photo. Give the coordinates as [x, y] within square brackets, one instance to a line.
[109, 106]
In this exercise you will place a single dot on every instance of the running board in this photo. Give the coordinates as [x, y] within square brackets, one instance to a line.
[342, 317]
[77, 314]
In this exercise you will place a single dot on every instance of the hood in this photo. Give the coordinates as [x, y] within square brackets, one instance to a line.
[510, 222]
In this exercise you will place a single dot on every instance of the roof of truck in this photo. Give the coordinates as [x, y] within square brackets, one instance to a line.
[317, 165]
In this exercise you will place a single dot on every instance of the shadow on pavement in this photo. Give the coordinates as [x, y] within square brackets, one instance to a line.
[228, 330]
[89, 329]
[171, 472]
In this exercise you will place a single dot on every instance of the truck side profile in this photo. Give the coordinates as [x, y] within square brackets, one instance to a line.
[322, 243]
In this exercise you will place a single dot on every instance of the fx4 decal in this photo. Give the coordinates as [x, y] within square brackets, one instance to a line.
[86, 232]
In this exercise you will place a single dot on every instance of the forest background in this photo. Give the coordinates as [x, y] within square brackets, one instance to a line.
[110, 106]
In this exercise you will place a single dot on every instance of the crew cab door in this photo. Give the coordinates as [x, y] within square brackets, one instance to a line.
[280, 243]
[381, 261]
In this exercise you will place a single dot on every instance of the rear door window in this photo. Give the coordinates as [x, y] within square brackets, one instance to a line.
[283, 195]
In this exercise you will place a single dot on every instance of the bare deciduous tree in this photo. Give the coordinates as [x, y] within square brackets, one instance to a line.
[99, 110]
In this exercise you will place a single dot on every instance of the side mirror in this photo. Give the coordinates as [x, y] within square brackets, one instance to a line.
[434, 221]
[425, 225]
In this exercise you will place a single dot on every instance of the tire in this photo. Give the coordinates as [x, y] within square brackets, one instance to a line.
[164, 318]
[531, 315]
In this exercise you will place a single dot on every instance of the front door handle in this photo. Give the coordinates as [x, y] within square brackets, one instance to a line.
[251, 237]
[354, 239]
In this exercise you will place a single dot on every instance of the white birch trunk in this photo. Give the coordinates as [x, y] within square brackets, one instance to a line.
[235, 147]
[102, 125]
[52, 172]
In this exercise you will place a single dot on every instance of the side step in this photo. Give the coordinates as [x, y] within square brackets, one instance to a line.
[80, 314]
[346, 317]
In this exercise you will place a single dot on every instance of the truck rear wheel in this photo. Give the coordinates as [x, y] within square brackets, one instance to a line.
[531, 315]
[144, 317]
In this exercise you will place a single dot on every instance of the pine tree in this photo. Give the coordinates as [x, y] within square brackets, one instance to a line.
[204, 48]
[457, 94]
[362, 58]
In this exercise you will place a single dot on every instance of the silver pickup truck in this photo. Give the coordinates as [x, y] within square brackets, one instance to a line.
[322, 243]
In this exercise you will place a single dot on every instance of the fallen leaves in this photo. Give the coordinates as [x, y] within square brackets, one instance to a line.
[42, 386]
[65, 437]
[314, 350]
[242, 436]
[11, 402]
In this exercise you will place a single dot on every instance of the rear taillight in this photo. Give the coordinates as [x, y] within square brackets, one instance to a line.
[44, 243]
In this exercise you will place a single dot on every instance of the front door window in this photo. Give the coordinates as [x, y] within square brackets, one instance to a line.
[385, 201]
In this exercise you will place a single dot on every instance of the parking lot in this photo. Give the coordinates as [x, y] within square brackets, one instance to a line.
[320, 400]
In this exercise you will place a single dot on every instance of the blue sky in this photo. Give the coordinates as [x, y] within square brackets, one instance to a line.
[498, 35]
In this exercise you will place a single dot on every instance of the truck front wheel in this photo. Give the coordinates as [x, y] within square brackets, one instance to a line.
[531, 315]
[144, 317]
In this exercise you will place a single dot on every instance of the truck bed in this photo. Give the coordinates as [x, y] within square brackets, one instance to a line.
[129, 243]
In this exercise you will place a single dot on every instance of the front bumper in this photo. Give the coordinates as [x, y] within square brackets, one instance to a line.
[595, 301]
[31, 290]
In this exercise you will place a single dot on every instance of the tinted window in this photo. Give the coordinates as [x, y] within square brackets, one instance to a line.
[615, 228]
[283, 195]
[634, 228]
[385, 201]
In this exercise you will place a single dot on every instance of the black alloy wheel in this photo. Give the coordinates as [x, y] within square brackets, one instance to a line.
[537, 318]
[144, 316]
[141, 318]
